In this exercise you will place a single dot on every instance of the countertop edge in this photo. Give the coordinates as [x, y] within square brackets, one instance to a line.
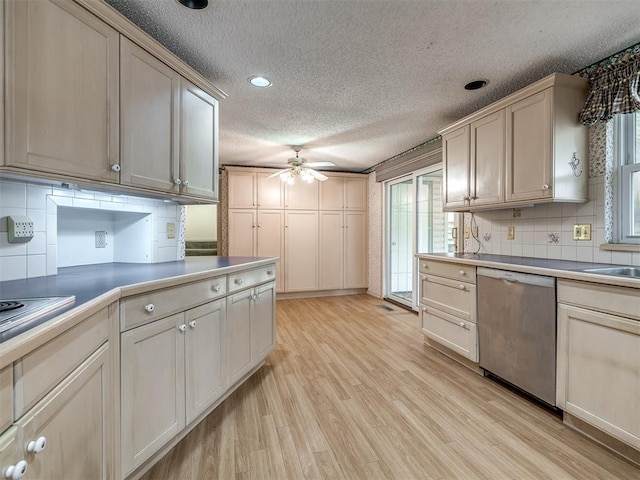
[16, 347]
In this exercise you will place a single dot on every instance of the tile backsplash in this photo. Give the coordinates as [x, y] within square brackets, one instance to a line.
[42, 203]
[546, 230]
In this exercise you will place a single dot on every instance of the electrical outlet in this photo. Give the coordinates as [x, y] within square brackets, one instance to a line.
[20, 228]
[511, 233]
[467, 233]
[101, 239]
[582, 231]
[171, 230]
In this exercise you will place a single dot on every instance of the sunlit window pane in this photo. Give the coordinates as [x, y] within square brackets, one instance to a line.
[635, 203]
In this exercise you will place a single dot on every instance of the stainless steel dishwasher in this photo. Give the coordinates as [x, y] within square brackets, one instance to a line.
[517, 330]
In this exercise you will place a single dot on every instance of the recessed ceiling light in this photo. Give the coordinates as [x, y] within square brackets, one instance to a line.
[194, 4]
[475, 85]
[259, 81]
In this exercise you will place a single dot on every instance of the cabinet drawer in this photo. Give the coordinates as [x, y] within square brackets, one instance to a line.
[452, 332]
[456, 271]
[241, 280]
[603, 298]
[450, 296]
[6, 398]
[145, 308]
[39, 371]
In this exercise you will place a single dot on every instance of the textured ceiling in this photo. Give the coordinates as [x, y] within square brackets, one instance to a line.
[359, 81]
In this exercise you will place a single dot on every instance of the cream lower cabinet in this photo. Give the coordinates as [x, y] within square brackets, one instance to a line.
[172, 370]
[13, 461]
[448, 306]
[250, 329]
[343, 252]
[599, 358]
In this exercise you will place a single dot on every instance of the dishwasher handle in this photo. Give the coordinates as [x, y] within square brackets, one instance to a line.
[516, 277]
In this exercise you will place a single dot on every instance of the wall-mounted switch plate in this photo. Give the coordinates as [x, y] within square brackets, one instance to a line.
[511, 233]
[467, 232]
[171, 230]
[20, 228]
[101, 239]
[582, 231]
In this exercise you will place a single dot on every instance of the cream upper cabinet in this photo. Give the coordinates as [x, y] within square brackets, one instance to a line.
[486, 175]
[343, 192]
[301, 251]
[525, 148]
[62, 81]
[198, 142]
[152, 388]
[302, 196]
[456, 159]
[242, 233]
[150, 109]
[242, 189]
[270, 192]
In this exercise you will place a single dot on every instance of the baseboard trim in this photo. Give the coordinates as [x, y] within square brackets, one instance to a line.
[320, 293]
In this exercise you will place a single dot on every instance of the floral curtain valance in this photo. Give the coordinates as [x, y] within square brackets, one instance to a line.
[615, 88]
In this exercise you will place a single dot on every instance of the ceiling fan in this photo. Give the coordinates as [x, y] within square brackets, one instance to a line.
[298, 167]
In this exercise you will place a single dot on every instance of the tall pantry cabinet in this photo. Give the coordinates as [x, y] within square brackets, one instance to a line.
[318, 230]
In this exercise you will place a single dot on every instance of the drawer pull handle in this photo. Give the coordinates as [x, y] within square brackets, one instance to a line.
[36, 446]
[182, 327]
[217, 288]
[461, 287]
[424, 265]
[462, 324]
[461, 272]
[192, 324]
[17, 471]
[150, 308]
[238, 281]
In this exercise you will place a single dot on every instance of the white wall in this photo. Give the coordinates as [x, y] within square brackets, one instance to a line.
[201, 223]
[39, 257]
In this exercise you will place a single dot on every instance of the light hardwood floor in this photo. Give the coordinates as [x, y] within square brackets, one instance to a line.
[353, 392]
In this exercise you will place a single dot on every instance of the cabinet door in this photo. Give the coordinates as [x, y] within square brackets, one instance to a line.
[599, 371]
[332, 255]
[62, 89]
[150, 105]
[529, 148]
[198, 142]
[74, 419]
[239, 335]
[152, 388]
[355, 193]
[455, 151]
[302, 195]
[242, 233]
[332, 194]
[271, 240]
[270, 191]
[355, 247]
[488, 159]
[301, 251]
[263, 331]
[6, 397]
[242, 189]
[204, 356]
[11, 454]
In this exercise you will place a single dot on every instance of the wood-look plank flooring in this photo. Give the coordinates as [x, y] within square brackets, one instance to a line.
[352, 392]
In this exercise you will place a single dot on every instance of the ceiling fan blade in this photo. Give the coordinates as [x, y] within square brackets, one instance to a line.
[320, 164]
[278, 172]
[318, 175]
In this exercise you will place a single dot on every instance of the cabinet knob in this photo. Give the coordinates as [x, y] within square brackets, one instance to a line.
[36, 446]
[182, 327]
[238, 281]
[186, 183]
[150, 308]
[115, 167]
[270, 273]
[17, 471]
[216, 288]
[461, 272]
[177, 182]
[462, 324]
[424, 309]
[425, 266]
[192, 324]
[461, 287]
[545, 187]
[255, 296]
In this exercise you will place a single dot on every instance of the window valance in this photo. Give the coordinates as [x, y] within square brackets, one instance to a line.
[615, 88]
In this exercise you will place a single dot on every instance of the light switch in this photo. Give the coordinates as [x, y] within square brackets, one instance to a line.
[582, 231]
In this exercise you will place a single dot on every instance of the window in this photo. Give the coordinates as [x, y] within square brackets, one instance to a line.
[627, 132]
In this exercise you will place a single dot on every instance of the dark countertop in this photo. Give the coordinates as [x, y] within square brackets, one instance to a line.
[566, 269]
[90, 281]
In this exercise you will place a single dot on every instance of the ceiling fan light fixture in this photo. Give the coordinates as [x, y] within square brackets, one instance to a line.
[260, 81]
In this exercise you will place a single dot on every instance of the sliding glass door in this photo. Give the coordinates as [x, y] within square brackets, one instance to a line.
[415, 223]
